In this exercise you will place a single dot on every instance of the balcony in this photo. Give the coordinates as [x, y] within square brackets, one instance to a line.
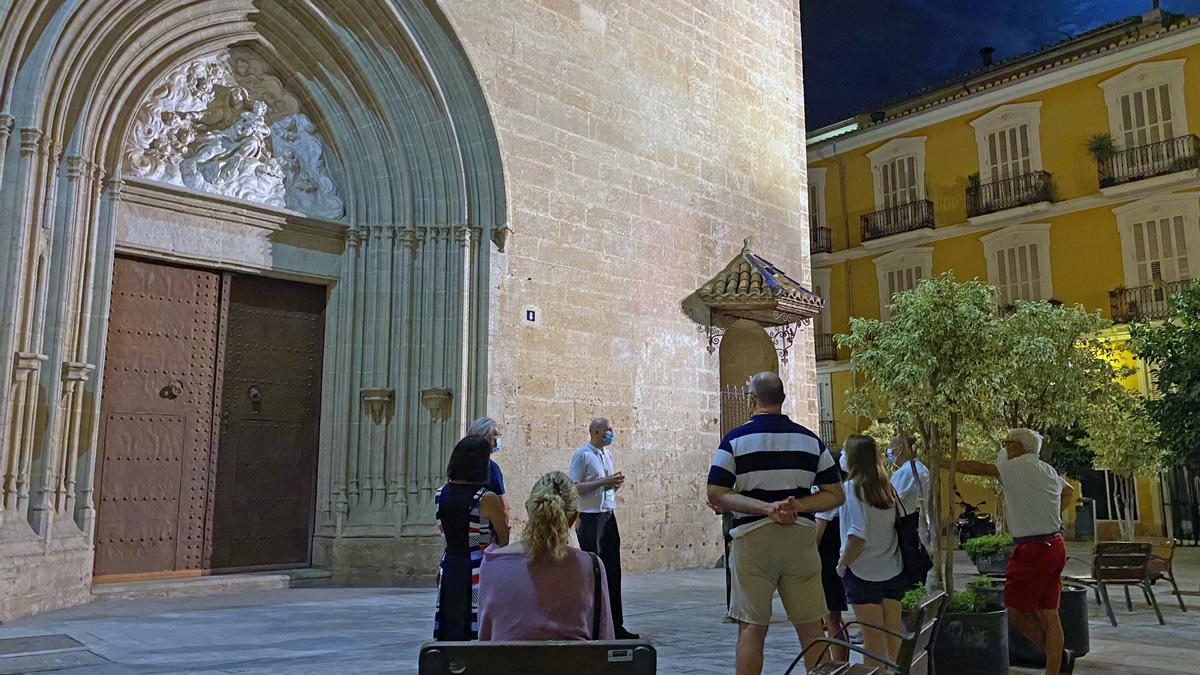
[821, 240]
[828, 433]
[1144, 303]
[1147, 161]
[908, 217]
[826, 348]
[1009, 193]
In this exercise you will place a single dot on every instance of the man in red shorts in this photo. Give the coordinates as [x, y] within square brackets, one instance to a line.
[1034, 496]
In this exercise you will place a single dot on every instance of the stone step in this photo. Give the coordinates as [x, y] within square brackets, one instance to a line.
[213, 584]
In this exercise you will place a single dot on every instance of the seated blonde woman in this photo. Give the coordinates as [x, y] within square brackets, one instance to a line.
[542, 588]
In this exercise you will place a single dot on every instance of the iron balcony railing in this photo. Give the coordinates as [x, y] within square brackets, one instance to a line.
[1144, 302]
[826, 349]
[1147, 161]
[828, 433]
[821, 240]
[897, 219]
[1009, 193]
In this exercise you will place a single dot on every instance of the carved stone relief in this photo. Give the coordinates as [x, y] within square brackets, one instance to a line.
[226, 125]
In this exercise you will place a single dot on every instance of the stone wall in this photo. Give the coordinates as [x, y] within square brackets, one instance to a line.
[642, 142]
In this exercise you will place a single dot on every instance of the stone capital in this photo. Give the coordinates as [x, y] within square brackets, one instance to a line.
[27, 362]
[76, 371]
[31, 141]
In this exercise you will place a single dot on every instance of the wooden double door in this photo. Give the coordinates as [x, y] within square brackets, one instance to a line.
[209, 422]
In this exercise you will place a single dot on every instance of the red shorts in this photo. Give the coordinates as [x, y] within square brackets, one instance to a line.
[1033, 576]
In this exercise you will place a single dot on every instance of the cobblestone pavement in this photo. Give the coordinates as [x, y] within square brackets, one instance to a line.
[359, 630]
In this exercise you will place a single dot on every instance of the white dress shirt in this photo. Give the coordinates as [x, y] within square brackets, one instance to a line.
[906, 485]
[1032, 495]
[590, 463]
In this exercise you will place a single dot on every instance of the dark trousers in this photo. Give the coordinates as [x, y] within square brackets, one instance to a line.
[598, 534]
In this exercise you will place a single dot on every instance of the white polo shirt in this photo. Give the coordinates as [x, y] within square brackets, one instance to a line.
[590, 463]
[1032, 495]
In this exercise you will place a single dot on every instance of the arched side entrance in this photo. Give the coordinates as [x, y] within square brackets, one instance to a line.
[745, 351]
[403, 263]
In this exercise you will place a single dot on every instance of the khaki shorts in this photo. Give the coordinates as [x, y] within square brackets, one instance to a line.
[776, 557]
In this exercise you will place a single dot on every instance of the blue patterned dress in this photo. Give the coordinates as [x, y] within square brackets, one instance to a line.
[466, 534]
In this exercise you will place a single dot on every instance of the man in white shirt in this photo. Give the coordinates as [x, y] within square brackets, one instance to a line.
[1034, 496]
[592, 471]
[912, 488]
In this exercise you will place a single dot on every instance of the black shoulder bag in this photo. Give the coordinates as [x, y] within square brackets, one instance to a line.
[913, 556]
[595, 596]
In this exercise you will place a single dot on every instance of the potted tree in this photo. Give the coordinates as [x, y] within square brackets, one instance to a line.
[990, 552]
[1103, 148]
[974, 633]
[930, 367]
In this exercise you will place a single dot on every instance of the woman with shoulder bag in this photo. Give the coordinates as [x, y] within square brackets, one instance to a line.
[870, 563]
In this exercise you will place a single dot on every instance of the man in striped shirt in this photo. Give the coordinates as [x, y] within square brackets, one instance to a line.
[764, 473]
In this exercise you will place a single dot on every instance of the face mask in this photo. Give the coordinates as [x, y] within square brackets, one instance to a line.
[843, 463]
[497, 447]
[608, 437]
[891, 455]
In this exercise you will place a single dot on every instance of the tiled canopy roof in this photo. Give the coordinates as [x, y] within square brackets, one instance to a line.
[750, 287]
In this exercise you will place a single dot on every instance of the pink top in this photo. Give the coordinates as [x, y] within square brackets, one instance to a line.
[549, 600]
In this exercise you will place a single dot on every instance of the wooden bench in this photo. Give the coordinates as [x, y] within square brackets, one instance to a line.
[1162, 555]
[916, 642]
[1119, 563]
[602, 657]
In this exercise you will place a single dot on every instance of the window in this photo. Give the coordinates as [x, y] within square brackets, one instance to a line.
[1110, 492]
[1018, 262]
[821, 324]
[816, 198]
[1146, 103]
[1158, 238]
[900, 271]
[1008, 141]
[898, 167]
[825, 409]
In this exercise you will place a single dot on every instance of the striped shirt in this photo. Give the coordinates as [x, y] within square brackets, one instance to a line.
[771, 458]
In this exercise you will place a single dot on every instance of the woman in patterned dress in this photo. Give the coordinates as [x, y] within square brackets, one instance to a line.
[470, 518]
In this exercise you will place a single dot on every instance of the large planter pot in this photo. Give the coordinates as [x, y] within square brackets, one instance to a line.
[1072, 611]
[994, 563]
[975, 643]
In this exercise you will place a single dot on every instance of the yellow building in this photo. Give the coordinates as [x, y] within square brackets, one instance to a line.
[991, 176]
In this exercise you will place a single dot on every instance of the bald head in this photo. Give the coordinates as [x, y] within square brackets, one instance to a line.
[596, 431]
[767, 389]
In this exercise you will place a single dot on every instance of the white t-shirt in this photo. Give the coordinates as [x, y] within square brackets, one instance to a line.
[880, 557]
[907, 487]
[590, 463]
[1032, 495]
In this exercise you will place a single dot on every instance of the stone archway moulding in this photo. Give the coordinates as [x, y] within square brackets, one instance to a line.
[406, 179]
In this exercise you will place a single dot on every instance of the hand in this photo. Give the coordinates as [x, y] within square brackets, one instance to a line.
[616, 481]
[841, 570]
[782, 511]
[715, 508]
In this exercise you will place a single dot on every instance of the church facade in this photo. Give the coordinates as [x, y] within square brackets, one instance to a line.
[263, 260]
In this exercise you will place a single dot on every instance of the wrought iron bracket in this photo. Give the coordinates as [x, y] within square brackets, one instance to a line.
[783, 337]
[712, 335]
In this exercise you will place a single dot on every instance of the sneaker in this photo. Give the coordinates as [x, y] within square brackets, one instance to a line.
[1068, 662]
[623, 634]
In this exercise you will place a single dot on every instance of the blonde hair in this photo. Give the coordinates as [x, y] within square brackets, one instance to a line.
[552, 504]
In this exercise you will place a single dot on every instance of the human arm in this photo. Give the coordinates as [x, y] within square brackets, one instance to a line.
[492, 508]
[850, 552]
[1064, 497]
[726, 499]
[828, 483]
[973, 468]
[585, 482]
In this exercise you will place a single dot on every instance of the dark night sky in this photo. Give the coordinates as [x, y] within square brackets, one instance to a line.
[858, 53]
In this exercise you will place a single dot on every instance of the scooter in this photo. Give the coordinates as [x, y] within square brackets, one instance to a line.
[973, 521]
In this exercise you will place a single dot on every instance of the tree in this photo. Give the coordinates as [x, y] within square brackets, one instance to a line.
[1124, 439]
[1172, 350]
[929, 366]
[1053, 365]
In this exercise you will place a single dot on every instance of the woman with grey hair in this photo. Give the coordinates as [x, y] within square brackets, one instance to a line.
[487, 428]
